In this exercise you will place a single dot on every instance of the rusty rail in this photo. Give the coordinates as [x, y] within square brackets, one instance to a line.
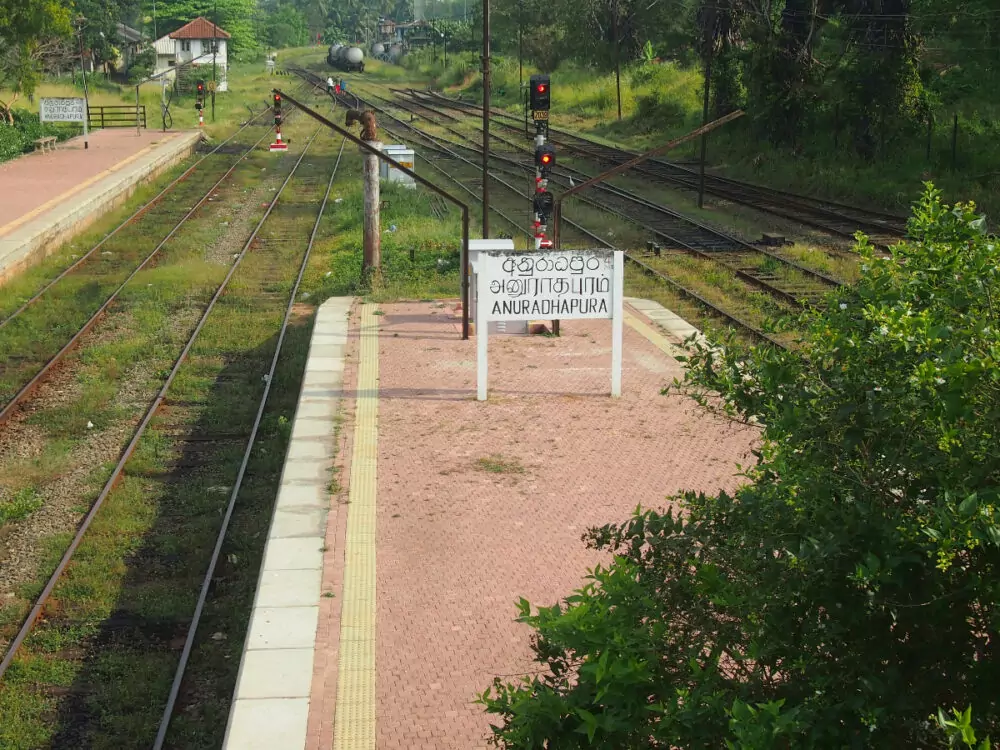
[119, 469]
[557, 210]
[30, 386]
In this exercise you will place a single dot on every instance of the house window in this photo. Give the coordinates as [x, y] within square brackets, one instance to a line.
[171, 63]
[185, 45]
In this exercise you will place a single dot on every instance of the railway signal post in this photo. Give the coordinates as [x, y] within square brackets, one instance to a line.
[545, 158]
[278, 144]
[200, 103]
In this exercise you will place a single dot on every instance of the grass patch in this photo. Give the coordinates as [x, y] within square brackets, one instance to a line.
[499, 464]
[96, 671]
[24, 502]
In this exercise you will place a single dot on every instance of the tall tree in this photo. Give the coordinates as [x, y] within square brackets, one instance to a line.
[26, 30]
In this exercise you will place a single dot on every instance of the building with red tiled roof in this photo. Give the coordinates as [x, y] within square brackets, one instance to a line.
[199, 28]
[192, 44]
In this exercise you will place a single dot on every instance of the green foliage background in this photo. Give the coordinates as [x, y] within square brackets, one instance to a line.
[851, 588]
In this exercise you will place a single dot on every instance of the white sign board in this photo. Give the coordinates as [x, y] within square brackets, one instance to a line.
[549, 285]
[62, 109]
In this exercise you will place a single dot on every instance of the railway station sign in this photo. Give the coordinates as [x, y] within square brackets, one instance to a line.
[548, 285]
[62, 109]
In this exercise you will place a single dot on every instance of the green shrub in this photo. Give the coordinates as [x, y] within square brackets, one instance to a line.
[852, 587]
[12, 142]
[19, 138]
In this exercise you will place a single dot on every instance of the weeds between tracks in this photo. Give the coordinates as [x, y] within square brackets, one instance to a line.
[95, 671]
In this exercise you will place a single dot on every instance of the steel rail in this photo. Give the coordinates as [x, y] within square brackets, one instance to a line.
[754, 332]
[139, 212]
[735, 245]
[119, 469]
[175, 686]
[39, 376]
[724, 187]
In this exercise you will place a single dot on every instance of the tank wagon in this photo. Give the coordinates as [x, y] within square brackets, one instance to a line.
[349, 59]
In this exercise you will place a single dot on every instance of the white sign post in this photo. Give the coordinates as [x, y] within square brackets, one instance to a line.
[547, 285]
[66, 109]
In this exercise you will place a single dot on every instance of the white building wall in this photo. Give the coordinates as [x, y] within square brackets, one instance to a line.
[173, 49]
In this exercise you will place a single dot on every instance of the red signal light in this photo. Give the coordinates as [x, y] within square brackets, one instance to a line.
[540, 93]
[546, 158]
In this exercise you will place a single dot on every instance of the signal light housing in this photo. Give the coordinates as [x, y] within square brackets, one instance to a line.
[542, 205]
[540, 92]
[545, 159]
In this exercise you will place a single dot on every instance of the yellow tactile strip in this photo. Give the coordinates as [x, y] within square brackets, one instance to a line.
[354, 723]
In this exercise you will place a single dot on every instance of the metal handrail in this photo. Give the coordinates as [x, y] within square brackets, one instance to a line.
[557, 209]
[410, 173]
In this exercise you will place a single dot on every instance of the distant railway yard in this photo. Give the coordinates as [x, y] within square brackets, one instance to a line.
[151, 366]
[715, 265]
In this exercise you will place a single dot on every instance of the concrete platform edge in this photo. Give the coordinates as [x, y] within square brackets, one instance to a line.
[44, 234]
[270, 704]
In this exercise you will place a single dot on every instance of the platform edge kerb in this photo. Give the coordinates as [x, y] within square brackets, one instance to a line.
[250, 708]
[42, 235]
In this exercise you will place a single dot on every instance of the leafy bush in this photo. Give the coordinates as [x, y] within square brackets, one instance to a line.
[12, 141]
[848, 591]
[19, 138]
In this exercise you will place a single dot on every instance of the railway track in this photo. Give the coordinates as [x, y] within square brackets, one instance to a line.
[834, 218]
[776, 275]
[195, 445]
[161, 207]
[99, 280]
[444, 152]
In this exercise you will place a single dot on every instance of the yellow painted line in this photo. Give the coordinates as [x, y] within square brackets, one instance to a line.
[11, 226]
[658, 340]
[354, 722]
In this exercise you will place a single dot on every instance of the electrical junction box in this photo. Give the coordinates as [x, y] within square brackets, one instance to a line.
[405, 156]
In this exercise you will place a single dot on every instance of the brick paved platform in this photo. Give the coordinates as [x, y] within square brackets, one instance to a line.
[477, 504]
[49, 197]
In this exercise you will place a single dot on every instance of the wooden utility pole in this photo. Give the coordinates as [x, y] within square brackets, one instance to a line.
[372, 225]
[704, 137]
[708, 42]
[618, 67]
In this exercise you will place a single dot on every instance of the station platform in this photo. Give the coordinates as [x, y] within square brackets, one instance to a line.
[48, 198]
[411, 517]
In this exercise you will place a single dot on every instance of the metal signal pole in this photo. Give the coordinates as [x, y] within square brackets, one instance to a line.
[486, 118]
[215, 47]
[86, 94]
[520, 46]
